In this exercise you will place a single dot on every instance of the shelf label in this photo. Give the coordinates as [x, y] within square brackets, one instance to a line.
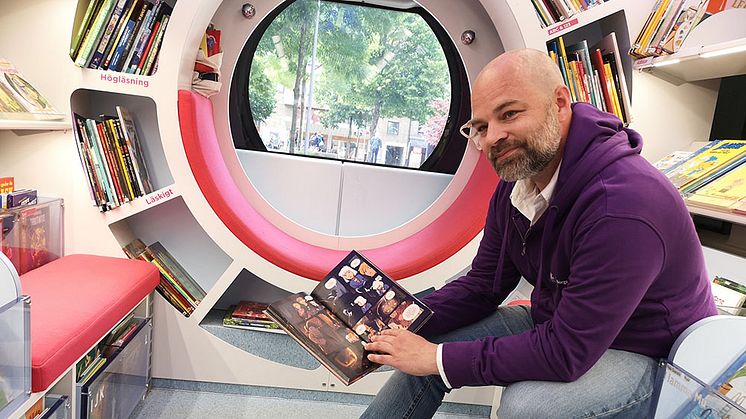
[562, 26]
[120, 78]
[152, 199]
[643, 62]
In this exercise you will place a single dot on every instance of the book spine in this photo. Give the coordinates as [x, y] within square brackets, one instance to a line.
[104, 176]
[110, 161]
[84, 160]
[94, 34]
[85, 24]
[114, 65]
[147, 70]
[98, 53]
[100, 192]
[142, 20]
[139, 55]
[130, 192]
[132, 171]
[121, 26]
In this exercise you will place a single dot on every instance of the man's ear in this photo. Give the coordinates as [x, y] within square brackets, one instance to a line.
[563, 102]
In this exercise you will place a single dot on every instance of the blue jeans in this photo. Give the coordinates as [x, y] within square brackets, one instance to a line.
[618, 386]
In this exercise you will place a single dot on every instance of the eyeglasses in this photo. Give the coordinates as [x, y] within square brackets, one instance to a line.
[468, 131]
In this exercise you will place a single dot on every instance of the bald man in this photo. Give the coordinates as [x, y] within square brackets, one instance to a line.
[604, 238]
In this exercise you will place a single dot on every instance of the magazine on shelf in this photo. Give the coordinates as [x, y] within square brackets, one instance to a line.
[354, 301]
[19, 99]
[238, 318]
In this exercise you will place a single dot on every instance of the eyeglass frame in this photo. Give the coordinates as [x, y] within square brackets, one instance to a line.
[464, 130]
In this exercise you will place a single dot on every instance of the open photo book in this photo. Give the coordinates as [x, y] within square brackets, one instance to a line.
[353, 301]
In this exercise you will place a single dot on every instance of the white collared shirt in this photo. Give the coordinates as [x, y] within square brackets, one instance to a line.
[529, 201]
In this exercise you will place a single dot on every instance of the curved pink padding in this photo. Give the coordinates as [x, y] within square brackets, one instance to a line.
[435, 243]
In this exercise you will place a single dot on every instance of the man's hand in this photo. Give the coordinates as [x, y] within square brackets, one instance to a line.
[404, 351]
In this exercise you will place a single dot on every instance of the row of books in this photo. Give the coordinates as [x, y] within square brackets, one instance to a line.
[121, 35]
[10, 197]
[713, 176]
[671, 21]
[19, 99]
[109, 150]
[594, 74]
[250, 315]
[730, 296]
[553, 11]
[95, 359]
[176, 285]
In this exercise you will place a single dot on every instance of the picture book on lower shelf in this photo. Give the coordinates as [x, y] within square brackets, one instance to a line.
[176, 286]
[354, 301]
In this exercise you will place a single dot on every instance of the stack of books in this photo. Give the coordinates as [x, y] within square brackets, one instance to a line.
[671, 21]
[19, 99]
[594, 74]
[121, 35]
[109, 149]
[553, 11]
[249, 315]
[712, 177]
[730, 296]
[176, 286]
[96, 358]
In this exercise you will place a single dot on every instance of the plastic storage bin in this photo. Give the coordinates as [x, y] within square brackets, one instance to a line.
[682, 395]
[56, 407]
[115, 390]
[32, 235]
[15, 356]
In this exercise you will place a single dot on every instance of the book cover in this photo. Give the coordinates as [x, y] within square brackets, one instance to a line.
[670, 161]
[355, 300]
[25, 98]
[256, 325]
[702, 164]
[250, 310]
[730, 385]
[722, 193]
[729, 296]
[35, 232]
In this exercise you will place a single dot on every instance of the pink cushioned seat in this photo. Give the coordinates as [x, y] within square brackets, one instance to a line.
[75, 301]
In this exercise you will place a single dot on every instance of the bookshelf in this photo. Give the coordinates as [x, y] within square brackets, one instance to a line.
[709, 52]
[32, 125]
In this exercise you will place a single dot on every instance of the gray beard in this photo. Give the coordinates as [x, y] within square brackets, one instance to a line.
[546, 141]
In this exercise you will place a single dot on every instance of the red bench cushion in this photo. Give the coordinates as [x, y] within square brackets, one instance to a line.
[75, 301]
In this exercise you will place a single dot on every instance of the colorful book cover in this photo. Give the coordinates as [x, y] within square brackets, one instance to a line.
[250, 310]
[259, 326]
[34, 238]
[670, 161]
[727, 298]
[724, 192]
[731, 385]
[355, 300]
[17, 95]
[705, 163]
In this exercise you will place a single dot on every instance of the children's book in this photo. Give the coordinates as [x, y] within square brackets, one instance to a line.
[19, 99]
[707, 164]
[353, 302]
[672, 160]
[724, 192]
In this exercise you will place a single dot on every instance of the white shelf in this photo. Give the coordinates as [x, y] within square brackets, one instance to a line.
[699, 63]
[34, 125]
[581, 19]
[719, 215]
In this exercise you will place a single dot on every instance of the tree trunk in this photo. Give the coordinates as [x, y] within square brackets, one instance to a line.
[299, 73]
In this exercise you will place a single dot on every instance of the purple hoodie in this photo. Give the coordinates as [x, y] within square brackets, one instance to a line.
[615, 263]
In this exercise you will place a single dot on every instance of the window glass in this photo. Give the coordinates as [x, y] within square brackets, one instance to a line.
[350, 82]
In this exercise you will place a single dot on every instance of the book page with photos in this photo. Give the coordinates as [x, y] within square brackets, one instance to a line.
[329, 340]
[367, 300]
